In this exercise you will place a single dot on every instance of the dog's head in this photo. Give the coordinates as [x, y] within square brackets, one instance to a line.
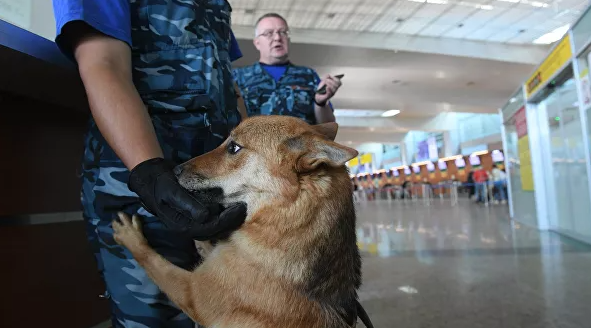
[266, 158]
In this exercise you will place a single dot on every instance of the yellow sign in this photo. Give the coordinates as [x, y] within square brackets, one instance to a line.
[366, 158]
[354, 162]
[527, 177]
[555, 60]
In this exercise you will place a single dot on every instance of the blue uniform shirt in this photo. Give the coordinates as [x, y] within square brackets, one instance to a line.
[282, 89]
[109, 17]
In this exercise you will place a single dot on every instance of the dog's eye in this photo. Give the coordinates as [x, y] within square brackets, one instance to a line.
[233, 147]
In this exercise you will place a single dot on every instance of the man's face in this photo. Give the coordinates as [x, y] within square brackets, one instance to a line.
[272, 40]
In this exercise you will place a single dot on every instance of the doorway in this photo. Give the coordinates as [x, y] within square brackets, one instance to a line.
[564, 163]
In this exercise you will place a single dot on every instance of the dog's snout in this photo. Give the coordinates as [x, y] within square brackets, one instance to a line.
[178, 170]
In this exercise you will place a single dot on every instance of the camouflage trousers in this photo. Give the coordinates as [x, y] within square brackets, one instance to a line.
[135, 301]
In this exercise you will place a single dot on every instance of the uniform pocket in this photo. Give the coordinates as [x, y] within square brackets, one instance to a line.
[182, 136]
[178, 79]
[252, 97]
[179, 69]
[303, 102]
[304, 96]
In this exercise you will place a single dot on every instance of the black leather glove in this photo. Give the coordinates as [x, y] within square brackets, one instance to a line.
[161, 194]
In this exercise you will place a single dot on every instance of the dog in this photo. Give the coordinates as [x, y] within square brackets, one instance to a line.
[294, 262]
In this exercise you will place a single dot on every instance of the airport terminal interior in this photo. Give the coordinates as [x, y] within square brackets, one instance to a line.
[472, 184]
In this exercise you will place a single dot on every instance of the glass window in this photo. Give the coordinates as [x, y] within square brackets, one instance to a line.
[567, 162]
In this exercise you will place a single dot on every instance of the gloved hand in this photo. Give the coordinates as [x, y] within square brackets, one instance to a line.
[161, 194]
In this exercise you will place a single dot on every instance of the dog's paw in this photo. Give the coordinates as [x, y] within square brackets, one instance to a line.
[128, 231]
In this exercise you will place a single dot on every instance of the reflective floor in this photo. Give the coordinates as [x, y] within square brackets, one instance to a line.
[468, 266]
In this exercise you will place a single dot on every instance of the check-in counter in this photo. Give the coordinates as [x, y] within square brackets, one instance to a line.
[48, 269]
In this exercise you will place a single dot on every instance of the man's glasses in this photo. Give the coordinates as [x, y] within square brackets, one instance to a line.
[269, 34]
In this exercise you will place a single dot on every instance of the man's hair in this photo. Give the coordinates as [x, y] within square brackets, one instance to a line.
[275, 15]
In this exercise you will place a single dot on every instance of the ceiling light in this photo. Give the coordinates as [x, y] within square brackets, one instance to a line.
[408, 289]
[390, 113]
[553, 36]
[539, 4]
[475, 5]
[435, 2]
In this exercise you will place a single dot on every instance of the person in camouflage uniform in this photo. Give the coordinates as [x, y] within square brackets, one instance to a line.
[158, 78]
[275, 86]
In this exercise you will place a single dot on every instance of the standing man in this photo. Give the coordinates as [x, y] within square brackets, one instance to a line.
[274, 86]
[158, 78]
[480, 181]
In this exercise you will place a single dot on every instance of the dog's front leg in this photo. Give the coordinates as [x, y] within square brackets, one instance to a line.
[172, 280]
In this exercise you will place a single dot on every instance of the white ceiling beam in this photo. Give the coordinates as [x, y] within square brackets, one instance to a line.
[438, 123]
[526, 54]
[352, 138]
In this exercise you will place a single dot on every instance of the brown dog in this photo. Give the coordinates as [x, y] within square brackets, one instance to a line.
[295, 262]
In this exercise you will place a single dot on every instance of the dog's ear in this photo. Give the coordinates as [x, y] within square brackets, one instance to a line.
[328, 130]
[316, 151]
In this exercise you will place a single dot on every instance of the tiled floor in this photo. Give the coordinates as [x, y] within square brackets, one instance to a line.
[468, 266]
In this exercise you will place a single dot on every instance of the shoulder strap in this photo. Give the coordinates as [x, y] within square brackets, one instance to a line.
[363, 315]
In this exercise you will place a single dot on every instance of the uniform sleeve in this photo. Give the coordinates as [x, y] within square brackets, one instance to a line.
[109, 17]
[235, 52]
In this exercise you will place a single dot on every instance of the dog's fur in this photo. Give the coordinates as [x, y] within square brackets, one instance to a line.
[294, 262]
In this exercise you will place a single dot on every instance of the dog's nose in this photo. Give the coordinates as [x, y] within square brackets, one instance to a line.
[178, 170]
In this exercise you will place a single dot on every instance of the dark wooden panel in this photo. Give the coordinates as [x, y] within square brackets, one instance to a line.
[40, 154]
[49, 277]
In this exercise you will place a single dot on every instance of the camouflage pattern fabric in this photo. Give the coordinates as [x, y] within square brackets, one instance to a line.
[182, 70]
[292, 95]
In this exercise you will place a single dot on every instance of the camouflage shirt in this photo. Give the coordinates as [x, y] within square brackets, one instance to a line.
[292, 95]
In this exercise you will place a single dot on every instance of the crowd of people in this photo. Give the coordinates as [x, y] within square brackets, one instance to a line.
[482, 186]
[488, 186]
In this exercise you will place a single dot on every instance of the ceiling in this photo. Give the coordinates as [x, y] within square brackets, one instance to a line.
[427, 58]
[511, 21]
